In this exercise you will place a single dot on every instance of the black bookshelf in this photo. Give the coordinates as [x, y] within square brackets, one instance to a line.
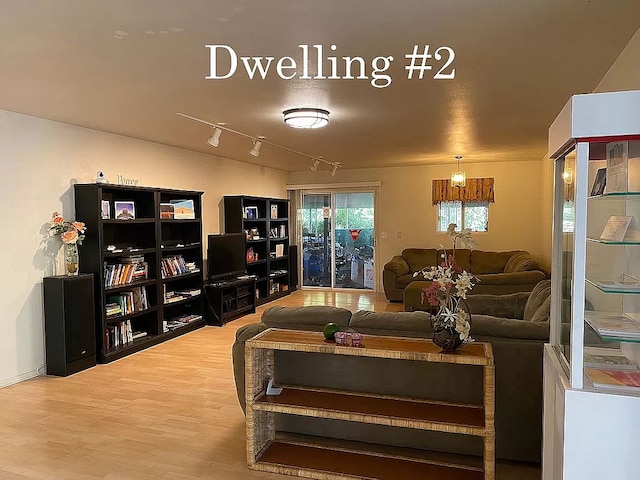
[136, 275]
[269, 218]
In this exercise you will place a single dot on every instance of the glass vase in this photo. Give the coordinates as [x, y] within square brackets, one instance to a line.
[71, 258]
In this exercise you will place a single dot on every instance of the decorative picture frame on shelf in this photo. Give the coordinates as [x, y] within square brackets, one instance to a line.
[274, 211]
[599, 183]
[124, 210]
[105, 209]
[166, 211]
[183, 209]
[251, 213]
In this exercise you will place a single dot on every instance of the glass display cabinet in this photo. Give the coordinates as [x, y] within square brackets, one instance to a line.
[591, 365]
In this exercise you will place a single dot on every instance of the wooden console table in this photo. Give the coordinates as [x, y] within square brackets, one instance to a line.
[268, 451]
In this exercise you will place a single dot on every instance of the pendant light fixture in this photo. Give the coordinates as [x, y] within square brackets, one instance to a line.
[459, 178]
[306, 117]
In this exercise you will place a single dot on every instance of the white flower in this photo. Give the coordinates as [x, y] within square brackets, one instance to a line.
[462, 327]
[449, 317]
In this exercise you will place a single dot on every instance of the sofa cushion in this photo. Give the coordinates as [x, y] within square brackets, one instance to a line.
[418, 258]
[392, 323]
[538, 306]
[462, 257]
[521, 262]
[305, 318]
[483, 326]
[489, 262]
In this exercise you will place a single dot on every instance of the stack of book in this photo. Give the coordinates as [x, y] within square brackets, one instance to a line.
[127, 302]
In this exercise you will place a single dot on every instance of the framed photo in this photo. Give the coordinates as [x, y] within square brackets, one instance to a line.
[183, 209]
[251, 213]
[274, 211]
[166, 210]
[106, 209]
[124, 210]
[599, 183]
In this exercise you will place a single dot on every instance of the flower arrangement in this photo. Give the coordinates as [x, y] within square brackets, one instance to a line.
[69, 232]
[449, 287]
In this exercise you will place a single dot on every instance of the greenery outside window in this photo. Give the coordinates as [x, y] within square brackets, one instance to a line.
[473, 215]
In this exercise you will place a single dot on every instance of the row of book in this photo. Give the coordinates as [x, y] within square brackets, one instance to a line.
[180, 321]
[132, 269]
[176, 265]
[128, 302]
[171, 296]
[121, 334]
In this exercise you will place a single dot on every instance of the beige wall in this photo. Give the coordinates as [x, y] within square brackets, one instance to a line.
[41, 161]
[624, 74]
[406, 214]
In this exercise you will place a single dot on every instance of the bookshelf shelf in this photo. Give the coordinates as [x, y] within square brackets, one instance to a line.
[183, 301]
[121, 318]
[173, 278]
[128, 286]
[140, 241]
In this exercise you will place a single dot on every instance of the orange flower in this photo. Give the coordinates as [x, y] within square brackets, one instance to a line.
[57, 219]
[79, 226]
[70, 236]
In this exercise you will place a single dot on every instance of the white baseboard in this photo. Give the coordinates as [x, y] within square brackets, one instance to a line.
[5, 382]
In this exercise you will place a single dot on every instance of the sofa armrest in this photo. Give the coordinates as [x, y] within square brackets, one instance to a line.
[521, 262]
[397, 265]
[237, 354]
[502, 306]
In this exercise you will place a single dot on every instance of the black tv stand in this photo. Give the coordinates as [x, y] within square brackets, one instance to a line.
[228, 299]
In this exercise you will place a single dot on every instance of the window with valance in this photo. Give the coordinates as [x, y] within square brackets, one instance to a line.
[467, 207]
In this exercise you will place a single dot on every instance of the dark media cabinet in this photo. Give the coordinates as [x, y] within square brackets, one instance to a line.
[229, 299]
[148, 285]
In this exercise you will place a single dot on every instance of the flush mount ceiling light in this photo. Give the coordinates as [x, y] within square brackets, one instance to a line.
[459, 178]
[214, 140]
[255, 151]
[306, 117]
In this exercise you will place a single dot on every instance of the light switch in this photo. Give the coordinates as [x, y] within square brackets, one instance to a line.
[398, 234]
[384, 234]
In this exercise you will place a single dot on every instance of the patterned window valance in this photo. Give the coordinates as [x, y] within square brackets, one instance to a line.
[476, 190]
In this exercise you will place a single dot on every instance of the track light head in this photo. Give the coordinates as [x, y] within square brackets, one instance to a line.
[334, 169]
[214, 140]
[314, 167]
[255, 151]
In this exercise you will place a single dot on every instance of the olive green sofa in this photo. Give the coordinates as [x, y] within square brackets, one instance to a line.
[499, 272]
[517, 347]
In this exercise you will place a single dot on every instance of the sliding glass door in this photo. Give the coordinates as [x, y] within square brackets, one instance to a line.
[338, 240]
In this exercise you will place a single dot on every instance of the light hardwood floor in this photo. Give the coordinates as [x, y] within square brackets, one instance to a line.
[168, 412]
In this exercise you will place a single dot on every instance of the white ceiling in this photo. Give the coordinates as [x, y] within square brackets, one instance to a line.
[128, 66]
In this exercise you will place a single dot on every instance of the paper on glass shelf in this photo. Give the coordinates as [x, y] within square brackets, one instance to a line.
[620, 228]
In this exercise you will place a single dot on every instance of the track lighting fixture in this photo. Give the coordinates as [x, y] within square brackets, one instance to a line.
[214, 140]
[306, 117]
[255, 151]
